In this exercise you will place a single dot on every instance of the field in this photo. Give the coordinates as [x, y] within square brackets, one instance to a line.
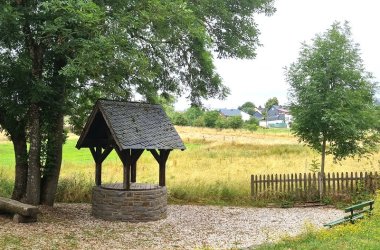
[214, 169]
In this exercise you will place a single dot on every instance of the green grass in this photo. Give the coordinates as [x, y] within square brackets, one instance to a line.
[214, 169]
[364, 234]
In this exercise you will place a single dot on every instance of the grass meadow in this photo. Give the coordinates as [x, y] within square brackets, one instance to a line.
[214, 169]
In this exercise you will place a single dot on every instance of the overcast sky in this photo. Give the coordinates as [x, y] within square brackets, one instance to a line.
[294, 22]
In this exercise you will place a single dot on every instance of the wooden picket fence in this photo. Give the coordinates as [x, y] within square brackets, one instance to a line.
[306, 186]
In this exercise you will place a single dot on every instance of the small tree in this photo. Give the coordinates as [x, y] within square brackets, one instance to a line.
[248, 107]
[221, 122]
[271, 101]
[210, 118]
[235, 122]
[180, 119]
[332, 97]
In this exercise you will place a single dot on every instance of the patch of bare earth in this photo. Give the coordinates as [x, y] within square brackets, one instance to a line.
[71, 226]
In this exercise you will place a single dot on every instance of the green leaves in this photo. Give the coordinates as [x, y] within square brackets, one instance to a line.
[332, 95]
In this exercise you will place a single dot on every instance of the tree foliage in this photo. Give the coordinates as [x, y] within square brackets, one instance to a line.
[57, 57]
[271, 102]
[248, 107]
[332, 96]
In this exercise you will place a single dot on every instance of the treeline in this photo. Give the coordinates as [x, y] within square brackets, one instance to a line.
[197, 117]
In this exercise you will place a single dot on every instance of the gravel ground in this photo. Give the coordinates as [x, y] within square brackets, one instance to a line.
[187, 227]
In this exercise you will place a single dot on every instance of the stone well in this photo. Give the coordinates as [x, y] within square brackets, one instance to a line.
[143, 202]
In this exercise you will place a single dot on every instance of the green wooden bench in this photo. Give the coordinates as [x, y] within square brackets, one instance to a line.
[356, 212]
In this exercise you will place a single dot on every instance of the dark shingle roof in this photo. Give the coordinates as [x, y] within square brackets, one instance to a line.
[131, 125]
[230, 112]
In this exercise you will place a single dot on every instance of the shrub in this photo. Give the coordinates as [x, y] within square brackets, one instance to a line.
[199, 122]
[235, 122]
[180, 119]
[210, 118]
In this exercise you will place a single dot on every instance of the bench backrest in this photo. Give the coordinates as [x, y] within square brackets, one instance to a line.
[360, 206]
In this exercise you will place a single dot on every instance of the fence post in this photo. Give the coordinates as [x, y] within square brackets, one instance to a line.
[272, 184]
[300, 184]
[333, 183]
[328, 184]
[252, 185]
[276, 185]
[352, 182]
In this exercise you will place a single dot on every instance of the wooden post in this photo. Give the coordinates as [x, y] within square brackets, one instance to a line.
[300, 184]
[125, 157]
[276, 184]
[99, 156]
[256, 184]
[333, 183]
[260, 184]
[135, 155]
[161, 159]
[328, 189]
[127, 169]
[292, 180]
[252, 183]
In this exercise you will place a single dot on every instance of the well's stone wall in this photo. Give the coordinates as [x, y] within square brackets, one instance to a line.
[132, 205]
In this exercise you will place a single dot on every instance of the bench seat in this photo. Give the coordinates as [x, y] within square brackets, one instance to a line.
[23, 213]
[356, 212]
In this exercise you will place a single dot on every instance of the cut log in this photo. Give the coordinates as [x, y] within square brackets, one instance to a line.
[23, 212]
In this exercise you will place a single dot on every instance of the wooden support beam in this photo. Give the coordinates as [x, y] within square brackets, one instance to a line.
[125, 157]
[155, 155]
[98, 168]
[99, 156]
[105, 153]
[161, 159]
[96, 154]
[135, 155]
[164, 154]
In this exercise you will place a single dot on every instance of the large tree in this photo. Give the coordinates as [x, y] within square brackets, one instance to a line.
[57, 57]
[332, 97]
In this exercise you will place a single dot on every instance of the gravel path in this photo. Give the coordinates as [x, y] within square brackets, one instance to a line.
[187, 227]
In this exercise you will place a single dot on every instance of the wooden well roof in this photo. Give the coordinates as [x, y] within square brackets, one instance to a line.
[129, 125]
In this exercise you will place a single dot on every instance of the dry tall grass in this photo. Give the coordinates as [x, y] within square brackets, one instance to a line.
[217, 165]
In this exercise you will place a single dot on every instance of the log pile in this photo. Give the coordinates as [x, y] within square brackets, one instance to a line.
[23, 213]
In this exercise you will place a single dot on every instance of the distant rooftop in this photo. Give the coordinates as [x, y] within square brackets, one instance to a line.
[230, 112]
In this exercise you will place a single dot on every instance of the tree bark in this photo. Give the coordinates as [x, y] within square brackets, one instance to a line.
[322, 175]
[34, 173]
[52, 168]
[21, 166]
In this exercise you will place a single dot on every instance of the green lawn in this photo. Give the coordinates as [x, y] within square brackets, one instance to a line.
[364, 234]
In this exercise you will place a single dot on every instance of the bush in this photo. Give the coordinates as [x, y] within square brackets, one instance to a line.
[221, 123]
[250, 127]
[180, 119]
[199, 122]
[210, 118]
[235, 122]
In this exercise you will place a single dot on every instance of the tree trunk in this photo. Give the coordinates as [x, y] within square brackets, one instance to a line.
[322, 175]
[52, 168]
[34, 173]
[21, 168]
